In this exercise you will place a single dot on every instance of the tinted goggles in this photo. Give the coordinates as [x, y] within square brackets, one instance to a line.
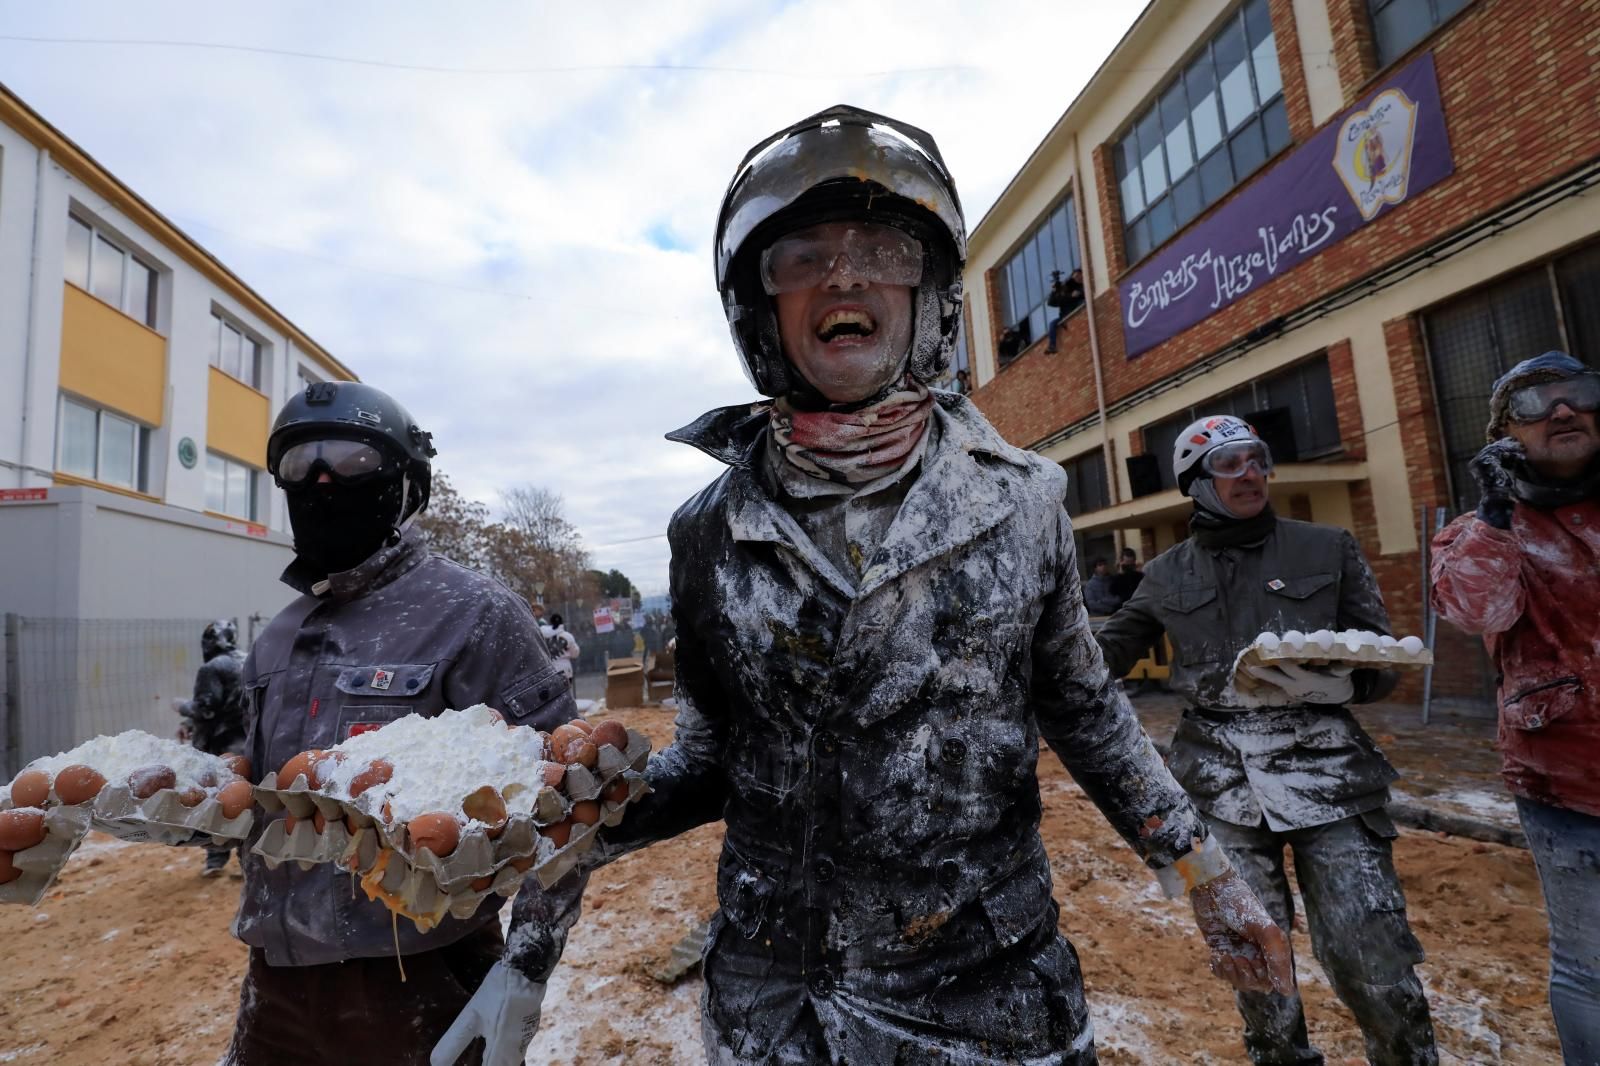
[346, 461]
[806, 258]
[1237, 458]
[1536, 402]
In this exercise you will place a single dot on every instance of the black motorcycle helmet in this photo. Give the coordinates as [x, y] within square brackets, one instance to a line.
[219, 637]
[352, 410]
[840, 164]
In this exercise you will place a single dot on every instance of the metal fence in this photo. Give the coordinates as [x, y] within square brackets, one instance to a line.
[69, 679]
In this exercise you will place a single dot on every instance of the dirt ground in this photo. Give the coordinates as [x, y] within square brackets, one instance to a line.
[129, 960]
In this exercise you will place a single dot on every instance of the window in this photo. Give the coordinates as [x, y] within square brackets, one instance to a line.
[1399, 24]
[235, 352]
[306, 378]
[1024, 279]
[230, 487]
[1086, 483]
[1304, 392]
[1208, 129]
[1475, 338]
[100, 266]
[102, 446]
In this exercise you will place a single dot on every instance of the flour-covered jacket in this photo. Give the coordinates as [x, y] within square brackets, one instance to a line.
[406, 632]
[1296, 766]
[871, 747]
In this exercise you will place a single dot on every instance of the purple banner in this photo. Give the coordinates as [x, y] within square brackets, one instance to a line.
[1372, 157]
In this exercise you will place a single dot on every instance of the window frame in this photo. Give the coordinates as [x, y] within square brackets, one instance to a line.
[1384, 56]
[1161, 217]
[131, 260]
[248, 342]
[140, 474]
[1003, 272]
[252, 484]
[1093, 459]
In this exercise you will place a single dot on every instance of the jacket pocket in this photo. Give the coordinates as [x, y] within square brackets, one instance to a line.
[374, 696]
[1303, 587]
[1196, 635]
[1537, 706]
[534, 701]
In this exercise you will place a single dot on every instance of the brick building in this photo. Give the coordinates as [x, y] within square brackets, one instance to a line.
[1343, 218]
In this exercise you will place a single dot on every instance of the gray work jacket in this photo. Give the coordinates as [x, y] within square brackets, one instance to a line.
[406, 632]
[1296, 766]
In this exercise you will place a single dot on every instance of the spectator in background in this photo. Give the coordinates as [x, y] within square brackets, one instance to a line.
[1127, 577]
[562, 646]
[963, 382]
[1066, 296]
[1011, 344]
[213, 721]
[1097, 594]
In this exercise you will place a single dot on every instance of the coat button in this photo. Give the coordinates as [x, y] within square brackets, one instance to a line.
[822, 984]
[412, 683]
[544, 694]
[827, 743]
[955, 751]
[824, 871]
[949, 872]
[357, 682]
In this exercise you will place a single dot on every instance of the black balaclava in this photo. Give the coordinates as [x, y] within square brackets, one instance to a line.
[338, 527]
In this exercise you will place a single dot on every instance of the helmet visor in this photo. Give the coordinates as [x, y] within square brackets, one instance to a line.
[1235, 459]
[806, 258]
[346, 461]
[1536, 402]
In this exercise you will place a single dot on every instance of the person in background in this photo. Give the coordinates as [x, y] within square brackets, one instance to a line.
[1097, 594]
[213, 720]
[1524, 571]
[1126, 580]
[1066, 296]
[562, 645]
[963, 382]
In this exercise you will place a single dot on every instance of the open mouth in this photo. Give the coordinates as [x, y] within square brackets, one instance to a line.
[846, 323]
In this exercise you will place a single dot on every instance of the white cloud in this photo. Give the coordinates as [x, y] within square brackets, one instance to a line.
[524, 259]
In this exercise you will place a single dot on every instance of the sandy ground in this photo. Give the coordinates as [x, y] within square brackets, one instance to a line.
[128, 960]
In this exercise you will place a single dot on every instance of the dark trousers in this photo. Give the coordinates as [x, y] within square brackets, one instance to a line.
[1356, 913]
[359, 1012]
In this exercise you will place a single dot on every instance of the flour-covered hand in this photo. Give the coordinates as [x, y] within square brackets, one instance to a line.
[1308, 684]
[1494, 469]
[1248, 950]
[504, 1011]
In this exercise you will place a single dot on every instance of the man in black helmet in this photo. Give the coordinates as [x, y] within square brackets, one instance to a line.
[878, 617]
[213, 721]
[382, 629]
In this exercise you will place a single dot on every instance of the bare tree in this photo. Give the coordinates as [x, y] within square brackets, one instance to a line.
[538, 543]
[455, 524]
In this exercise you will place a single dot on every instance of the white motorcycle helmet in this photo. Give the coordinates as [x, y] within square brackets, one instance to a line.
[1204, 437]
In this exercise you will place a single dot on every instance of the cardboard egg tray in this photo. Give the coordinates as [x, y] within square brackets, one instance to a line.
[64, 830]
[1351, 647]
[422, 886]
[163, 819]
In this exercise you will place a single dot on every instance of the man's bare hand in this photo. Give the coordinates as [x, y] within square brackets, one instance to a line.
[1248, 950]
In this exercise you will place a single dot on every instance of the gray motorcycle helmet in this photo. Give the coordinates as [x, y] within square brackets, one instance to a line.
[842, 163]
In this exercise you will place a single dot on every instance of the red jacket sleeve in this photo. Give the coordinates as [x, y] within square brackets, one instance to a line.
[1477, 576]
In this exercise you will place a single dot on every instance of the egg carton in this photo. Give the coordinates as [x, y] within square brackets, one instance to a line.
[1355, 646]
[163, 819]
[64, 829]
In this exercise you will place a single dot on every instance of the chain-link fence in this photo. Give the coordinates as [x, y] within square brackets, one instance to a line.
[69, 679]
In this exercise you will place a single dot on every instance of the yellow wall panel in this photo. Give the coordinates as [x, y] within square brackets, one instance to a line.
[236, 420]
[111, 359]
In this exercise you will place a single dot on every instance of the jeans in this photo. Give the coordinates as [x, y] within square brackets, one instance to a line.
[1566, 848]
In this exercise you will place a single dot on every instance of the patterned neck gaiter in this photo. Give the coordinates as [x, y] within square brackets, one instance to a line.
[854, 447]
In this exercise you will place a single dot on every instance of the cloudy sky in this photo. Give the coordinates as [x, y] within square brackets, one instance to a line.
[502, 212]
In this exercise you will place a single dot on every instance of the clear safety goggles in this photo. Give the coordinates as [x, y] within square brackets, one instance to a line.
[1236, 459]
[1536, 402]
[346, 461]
[806, 258]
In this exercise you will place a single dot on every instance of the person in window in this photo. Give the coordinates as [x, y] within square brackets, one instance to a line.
[213, 721]
[963, 386]
[1126, 580]
[1011, 342]
[1524, 571]
[1281, 763]
[1097, 594]
[382, 628]
[878, 616]
[1066, 296]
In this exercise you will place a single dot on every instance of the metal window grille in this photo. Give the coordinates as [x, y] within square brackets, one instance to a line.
[1578, 279]
[1086, 483]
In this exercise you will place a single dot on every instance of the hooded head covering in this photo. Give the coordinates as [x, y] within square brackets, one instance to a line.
[1541, 369]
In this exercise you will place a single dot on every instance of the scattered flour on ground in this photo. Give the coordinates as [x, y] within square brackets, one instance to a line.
[1495, 806]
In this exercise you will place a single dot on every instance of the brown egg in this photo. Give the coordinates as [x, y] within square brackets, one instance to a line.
[439, 833]
[486, 806]
[613, 733]
[586, 812]
[31, 788]
[377, 772]
[617, 791]
[192, 797]
[235, 797]
[8, 869]
[562, 737]
[239, 764]
[146, 781]
[210, 778]
[350, 825]
[524, 864]
[319, 822]
[482, 884]
[289, 822]
[584, 753]
[559, 833]
[79, 784]
[388, 813]
[324, 765]
[21, 828]
[553, 773]
[298, 766]
[583, 724]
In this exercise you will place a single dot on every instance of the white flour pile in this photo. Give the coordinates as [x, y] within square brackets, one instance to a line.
[440, 761]
[117, 757]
